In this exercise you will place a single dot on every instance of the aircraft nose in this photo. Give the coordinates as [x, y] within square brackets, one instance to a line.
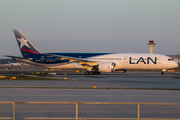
[175, 64]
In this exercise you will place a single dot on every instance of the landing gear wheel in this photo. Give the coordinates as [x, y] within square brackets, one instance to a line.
[90, 73]
[98, 73]
[162, 73]
[87, 73]
[94, 73]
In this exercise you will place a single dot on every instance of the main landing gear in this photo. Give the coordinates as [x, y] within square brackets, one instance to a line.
[92, 73]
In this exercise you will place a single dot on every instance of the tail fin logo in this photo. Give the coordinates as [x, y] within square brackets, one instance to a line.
[23, 42]
[29, 51]
[25, 46]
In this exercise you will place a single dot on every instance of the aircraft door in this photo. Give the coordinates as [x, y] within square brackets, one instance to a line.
[159, 60]
[125, 59]
[42, 59]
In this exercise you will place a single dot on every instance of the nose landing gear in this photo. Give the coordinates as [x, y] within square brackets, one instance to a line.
[163, 71]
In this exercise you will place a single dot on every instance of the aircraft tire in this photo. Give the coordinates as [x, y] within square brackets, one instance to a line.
[87, 73]
[98, 73]
[90, 73]
[162, 73]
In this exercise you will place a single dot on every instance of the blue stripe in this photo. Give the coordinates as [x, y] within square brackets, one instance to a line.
[82, 55]
[44, 59]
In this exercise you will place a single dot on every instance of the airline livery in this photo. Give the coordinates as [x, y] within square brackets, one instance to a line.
[95, 63]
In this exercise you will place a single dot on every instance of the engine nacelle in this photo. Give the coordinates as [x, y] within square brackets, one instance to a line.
[106, 67]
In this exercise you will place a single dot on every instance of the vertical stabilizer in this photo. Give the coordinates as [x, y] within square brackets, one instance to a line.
[25, 46]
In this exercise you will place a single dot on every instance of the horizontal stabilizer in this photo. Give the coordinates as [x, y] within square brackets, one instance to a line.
[15, 57]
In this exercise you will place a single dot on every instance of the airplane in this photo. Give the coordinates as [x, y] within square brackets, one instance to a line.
[94, 63]
[15, 64]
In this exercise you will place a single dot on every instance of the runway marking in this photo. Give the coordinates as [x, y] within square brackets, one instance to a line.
[152, 96]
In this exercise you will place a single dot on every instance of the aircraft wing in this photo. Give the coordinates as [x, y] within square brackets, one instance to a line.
[83, 62]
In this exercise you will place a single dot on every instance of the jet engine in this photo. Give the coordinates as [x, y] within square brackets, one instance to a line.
[106, 67]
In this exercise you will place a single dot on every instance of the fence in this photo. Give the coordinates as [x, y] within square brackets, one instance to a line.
[76, 110]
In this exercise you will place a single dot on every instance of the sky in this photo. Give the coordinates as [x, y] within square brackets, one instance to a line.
[105, 26]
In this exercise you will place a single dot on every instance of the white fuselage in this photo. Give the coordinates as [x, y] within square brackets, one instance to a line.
[138, 61]
[122, 61]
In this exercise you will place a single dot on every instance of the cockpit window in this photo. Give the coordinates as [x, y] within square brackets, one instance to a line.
[170, 59]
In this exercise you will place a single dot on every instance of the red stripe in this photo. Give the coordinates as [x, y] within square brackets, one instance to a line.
[29, 51]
